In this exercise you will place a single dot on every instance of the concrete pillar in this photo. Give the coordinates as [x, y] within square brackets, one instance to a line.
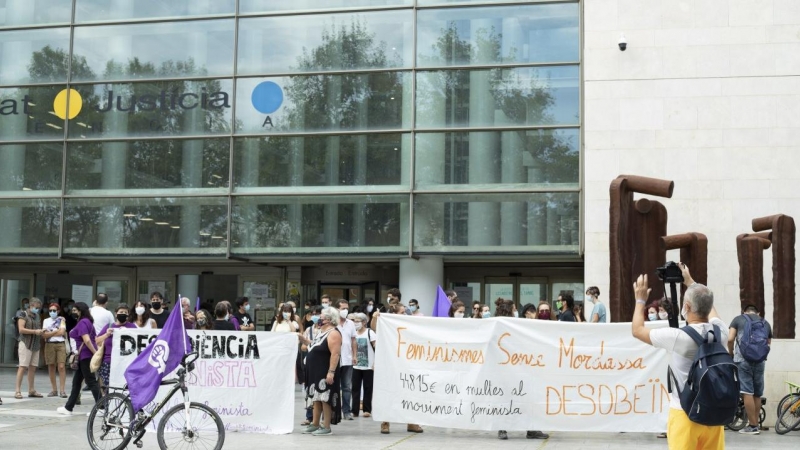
[331, 210]
[430, 162]
[419, 279]
[189, 286]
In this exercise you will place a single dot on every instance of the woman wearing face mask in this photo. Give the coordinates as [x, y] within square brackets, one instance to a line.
[413, 305]
[55, 351]
[544, 312]
[141, 316]
[285, 323]
[84, 336]
[364, 365]
[369, 308]
[664, 309]
[295, 318]
[203, 321]
[308, 336]
[457, 310]
[476, 310]
[486, 312]
[106, 335]
[322, 374]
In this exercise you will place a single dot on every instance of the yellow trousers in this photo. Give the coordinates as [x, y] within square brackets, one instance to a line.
[683, 434]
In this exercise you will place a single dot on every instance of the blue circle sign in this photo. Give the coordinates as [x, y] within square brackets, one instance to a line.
[267, 97]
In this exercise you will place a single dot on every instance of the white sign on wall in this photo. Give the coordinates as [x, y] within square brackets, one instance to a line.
[82, 294]
[247, 377]
[518, 374]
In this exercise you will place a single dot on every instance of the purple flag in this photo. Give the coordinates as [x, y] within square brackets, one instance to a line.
[442, 306]
[197, 305]
[158, 360]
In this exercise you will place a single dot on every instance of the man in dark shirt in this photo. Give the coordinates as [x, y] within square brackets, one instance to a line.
[157, 312]
[242, 315]
[221, 313]
[567, 302]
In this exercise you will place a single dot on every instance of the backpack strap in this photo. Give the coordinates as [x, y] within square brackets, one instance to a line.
[670, 378]
[693, 334]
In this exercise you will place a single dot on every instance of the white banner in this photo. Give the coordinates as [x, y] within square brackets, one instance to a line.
[518, 374]
[246, 377]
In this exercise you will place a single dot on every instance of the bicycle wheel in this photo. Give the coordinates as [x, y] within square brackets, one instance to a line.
[789, 417]
[739, 419]
[785, 402]
[109, 421]
[200, 428]
[762, 416]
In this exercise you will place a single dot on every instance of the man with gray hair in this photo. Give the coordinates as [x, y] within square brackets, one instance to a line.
[700, 314]
[29, 323]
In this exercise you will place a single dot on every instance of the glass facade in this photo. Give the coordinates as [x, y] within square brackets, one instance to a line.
[256, 128]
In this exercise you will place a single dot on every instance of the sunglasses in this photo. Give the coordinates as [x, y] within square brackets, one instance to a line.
[54, 310]
[544, 310]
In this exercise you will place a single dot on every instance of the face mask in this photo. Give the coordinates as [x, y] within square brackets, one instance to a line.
[544, 315]
[247, 307]
[294, 310]
[369, 308]
[286, 316]
[389, 299]
[201, 322]
[663, 315]
[35, 310]
[412, 308]
[652, 316]
[516, 314]
[140, 310]
[358, 326]
[156, 305]
[458, 315]
[325, 305]
[76, 315]
[315, 319]
[25, 306]
[122, 318]
[684, 312]
[226, 317]
[486, 315]
[343, 314]
[558, 305]
[53, 314]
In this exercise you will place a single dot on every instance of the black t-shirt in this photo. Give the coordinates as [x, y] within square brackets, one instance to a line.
[567, 316]
[221, 324]
[243, 318]
[160, 319]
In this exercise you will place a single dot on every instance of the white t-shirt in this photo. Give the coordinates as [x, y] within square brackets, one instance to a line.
[684, 349]
[285, 327]
[102, 318]
[348, 331]
[365, 354]
[50, 325]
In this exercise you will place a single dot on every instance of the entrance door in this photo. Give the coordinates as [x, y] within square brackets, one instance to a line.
[262, 294]
[12, 290]
[522, 290]
[115, 288]
[355, 294]
[495, 288]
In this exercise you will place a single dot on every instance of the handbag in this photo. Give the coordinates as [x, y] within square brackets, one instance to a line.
[73, 359]
[97, 358]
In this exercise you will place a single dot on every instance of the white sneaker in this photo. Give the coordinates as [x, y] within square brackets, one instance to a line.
[64, 411]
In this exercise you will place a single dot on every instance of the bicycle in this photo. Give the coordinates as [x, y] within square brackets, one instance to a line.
[740, 418]
[118, 426]
[789, 411]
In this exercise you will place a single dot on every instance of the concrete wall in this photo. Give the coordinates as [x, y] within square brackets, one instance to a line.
[707, 95]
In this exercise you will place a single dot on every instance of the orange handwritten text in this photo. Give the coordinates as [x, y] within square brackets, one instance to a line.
[592, 362]
[620, 400]
[437, 352]
[516, 359]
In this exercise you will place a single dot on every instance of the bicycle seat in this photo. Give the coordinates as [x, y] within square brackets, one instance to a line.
[763, 401]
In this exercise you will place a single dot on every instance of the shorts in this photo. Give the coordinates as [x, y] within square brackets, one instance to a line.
[55, 353]
[105, 373]
[683, 434]
[751, 377]
[27, 358]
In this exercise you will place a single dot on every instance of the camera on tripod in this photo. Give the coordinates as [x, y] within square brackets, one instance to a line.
[670, 273]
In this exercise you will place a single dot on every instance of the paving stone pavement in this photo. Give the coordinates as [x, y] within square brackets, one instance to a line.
[33, 424]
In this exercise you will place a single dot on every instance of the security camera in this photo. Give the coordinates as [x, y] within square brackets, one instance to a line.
[623, 43]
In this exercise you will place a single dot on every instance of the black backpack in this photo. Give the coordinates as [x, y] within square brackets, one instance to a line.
[711, 394]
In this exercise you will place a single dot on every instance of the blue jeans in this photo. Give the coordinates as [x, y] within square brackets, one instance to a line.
[751, 378]
[346, 380]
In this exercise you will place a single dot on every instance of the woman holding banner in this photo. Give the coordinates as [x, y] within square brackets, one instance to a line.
[322, 374]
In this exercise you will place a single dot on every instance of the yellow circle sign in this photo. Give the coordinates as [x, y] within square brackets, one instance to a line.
[60, 104]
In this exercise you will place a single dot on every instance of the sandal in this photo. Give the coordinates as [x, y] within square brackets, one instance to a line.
[53, 394]
[305, 423]
[63, 394]
[34, 394]
[18, 395]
